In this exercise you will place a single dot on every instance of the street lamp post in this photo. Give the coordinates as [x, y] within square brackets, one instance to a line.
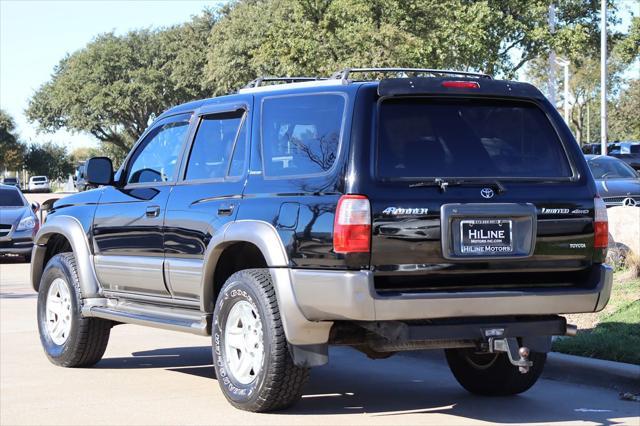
[603, 78]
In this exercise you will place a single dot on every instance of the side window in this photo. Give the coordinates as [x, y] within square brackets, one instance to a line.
[301, 134]
[157, 157]
[213, 146]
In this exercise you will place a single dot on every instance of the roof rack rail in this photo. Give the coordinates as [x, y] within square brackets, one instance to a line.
[261, 80]
[344, 74]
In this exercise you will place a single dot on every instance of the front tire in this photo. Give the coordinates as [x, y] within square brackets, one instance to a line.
[492, 374]
[68, 339]
[250, 352]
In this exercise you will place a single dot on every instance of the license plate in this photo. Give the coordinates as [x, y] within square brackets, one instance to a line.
[485, 237]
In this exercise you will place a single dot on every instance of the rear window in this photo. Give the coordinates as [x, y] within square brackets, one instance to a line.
[10, 180]
[301, 134]
[10, 198]
[39, 179]
[467, 138]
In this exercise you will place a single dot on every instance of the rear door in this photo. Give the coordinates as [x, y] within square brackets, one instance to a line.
[472, 193]
[207, 194]
[128, 224]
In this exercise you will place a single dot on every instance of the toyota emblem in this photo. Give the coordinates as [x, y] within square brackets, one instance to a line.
[629, 202]
[487, 193]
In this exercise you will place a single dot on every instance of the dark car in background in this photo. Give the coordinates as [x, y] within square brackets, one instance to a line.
[18, 223]
[618, 184]
[629, 152]
[11, 181]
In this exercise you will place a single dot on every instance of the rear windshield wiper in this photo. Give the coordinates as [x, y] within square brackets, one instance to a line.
[443, 184]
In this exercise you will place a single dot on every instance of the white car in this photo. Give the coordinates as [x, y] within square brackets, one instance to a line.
[39, 184]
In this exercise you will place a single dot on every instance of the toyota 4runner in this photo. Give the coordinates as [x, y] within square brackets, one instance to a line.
[431, 209]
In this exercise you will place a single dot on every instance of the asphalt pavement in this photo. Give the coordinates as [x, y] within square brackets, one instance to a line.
[151, 376]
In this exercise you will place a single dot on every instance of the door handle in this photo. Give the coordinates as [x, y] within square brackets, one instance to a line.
[226, 210]
[153, 211]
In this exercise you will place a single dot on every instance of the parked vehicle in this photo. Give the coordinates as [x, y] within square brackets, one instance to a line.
[629, 152]
[618, 184]
[441, 210]
[79, 178]
[18, 223]
[11, 181]
[39, 184]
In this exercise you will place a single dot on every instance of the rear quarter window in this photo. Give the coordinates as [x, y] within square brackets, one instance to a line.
[468, 138]
[301, 134]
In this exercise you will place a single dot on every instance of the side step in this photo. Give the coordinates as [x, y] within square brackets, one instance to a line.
[168, 318]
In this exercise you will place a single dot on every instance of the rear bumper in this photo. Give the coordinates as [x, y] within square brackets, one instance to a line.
[340, 295]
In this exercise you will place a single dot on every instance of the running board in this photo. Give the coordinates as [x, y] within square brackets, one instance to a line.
[168, 318]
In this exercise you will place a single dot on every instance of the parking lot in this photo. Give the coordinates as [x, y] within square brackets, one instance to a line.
[151, 376]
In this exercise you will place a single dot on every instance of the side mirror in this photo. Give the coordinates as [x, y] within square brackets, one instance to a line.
[35, 206]
[99, 171]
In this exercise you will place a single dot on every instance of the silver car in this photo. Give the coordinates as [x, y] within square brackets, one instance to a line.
[18, 222]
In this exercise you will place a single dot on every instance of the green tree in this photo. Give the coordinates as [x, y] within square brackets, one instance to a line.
[48, 160]
[11, 150]
[623, 114]
[316, 37]
[81, 154]
[111, 87]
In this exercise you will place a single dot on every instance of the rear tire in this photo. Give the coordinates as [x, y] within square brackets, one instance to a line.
[68, 339]
[250, 352]
[492, 374]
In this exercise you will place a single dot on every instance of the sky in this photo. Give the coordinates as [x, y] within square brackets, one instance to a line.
[36, 34]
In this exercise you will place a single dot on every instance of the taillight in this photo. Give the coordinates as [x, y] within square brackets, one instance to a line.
[600, 225]
[461, 84]
[352, 225]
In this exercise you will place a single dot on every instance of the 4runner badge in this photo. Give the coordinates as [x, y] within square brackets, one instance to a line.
[396, 211]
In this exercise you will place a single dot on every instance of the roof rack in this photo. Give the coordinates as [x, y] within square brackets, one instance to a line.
[344, 74]
[261, 80]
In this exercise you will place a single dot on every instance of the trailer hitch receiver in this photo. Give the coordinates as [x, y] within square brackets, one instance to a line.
[518, 356]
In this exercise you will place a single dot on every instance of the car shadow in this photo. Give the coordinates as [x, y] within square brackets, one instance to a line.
[351, 383]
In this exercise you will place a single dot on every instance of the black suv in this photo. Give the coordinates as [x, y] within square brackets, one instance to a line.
[437, 209]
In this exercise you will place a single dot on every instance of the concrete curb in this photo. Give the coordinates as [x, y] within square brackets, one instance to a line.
[619, 369]
[570, 368]
[617, 375]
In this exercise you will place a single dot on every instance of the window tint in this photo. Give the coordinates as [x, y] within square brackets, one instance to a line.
[301, 134]
[467, 138]
[157, 157]
[10, 198]
[213, 146]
